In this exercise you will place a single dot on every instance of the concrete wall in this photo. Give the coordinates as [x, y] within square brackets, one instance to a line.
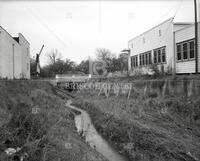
[12, 57]
[185, 87]
[154, 41]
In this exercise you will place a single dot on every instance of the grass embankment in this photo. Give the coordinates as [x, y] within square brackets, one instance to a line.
[147, 128]
[35, 119]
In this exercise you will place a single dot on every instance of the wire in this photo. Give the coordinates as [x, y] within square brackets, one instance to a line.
[165, 33]
[47, 27]
[161, 19]
[180, 4]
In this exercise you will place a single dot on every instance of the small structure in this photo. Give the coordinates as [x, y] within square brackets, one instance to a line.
[71, 81]
[75, 78]
[125, 57]
[14, 56]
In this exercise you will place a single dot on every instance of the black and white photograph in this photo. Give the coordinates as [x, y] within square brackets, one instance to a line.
[99, 80]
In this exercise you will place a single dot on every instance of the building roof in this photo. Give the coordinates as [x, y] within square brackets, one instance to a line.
[186, 24]
[24, 37]
[14, 38]
[183, 23]
[170, 19]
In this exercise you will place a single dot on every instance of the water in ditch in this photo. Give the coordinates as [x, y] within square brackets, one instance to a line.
[86, 128]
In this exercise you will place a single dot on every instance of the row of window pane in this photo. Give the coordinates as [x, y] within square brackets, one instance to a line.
[159, 55]
[145, 58]
[134, 61]
[185, 50]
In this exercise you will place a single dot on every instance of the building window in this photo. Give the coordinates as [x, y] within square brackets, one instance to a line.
[140, 59]
[163, 55]
[143, 40]
[145, 58]
[159, 55]
[160, 33]
[179, 51]
[134, 61]
[191, 51]
[27, 51]
[155, 56]
[185, 50]
[150, 58]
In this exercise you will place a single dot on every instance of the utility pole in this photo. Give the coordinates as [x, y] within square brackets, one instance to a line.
[196, 37]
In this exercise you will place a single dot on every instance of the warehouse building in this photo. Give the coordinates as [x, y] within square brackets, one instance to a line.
[14, 56]
[169, 46]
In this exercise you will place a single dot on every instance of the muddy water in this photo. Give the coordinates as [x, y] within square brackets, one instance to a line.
[85, 127]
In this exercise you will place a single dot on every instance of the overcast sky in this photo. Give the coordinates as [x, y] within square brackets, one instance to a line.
[77, 28]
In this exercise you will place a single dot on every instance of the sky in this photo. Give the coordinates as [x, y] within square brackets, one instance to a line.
[77, 28]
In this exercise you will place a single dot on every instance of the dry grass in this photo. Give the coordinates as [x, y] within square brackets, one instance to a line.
[148, 128]
[36, 120]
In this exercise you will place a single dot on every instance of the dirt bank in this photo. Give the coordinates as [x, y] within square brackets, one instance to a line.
[35, 119]
[145, 128]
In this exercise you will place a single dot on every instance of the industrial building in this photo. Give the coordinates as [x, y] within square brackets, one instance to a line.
[170, 46]
[14, 56]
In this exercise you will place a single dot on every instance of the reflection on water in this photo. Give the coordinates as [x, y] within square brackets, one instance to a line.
[85, 128]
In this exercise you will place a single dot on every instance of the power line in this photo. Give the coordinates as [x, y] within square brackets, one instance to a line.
[180, 4]
[47, 27]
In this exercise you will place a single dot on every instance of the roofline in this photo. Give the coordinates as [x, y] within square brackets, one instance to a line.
[24, 38]
[171, 18]
[14, 37]
[192, 25]
[183, 23]
[9, 34]
[183, 28]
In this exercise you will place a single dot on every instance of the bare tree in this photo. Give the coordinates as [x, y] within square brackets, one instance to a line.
[108, 57]
[53, 56]
[104, 54]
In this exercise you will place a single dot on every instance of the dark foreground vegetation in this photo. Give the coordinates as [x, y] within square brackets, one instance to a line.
[34, 120]
[150, 128]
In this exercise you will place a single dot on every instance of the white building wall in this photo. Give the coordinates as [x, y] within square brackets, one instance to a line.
[6, 52]
[184, 34]
[17, 61]
[25, 51]
[179, 26]
[154, 41]
[181, 36]
[12, 57]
